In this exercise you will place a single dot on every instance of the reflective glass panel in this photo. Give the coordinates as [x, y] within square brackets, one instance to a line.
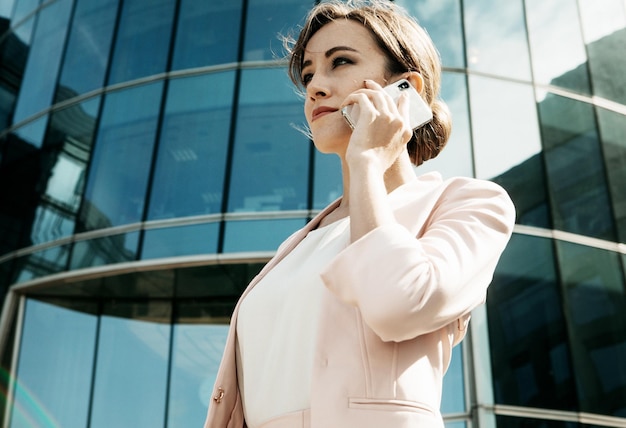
[143, 39]
[132, 364]
[595, 303]
[14, 48]
[23, 8]
[41, 263]
[456, 424]
[453, 398]
[20, 176]
[604, 28]
[88, 47]
[223, 282]
[530, 355]
[266, 21]
[180, 241]
[199, 340]
[6, 7]
[518, 422]
[189, 176]
[456, 158]
[258, 235]
[207, 33]
[271, 159]
[67, 149]
[556, 44]
[118, 173]
[442, 20]
[108, 250]
[55, 366]
[507, 147]
[579, 195]
[496, 38]
[45, 54]
[612, 131]
[32, 133]
[327, 185]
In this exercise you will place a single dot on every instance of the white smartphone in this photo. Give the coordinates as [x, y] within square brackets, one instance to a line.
[420, 113]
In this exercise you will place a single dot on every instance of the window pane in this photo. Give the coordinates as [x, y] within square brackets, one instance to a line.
[507, 147]
[612, 131]
[67, 149]
[518, 422]
[14, 50]
[189, 177]
[180, 241]
[271, 159]
[131, 370]
[103, 251]
[6, 7]
[119, 171]
[54, 390]
[23, 8]
[222, 282]
[530, 356]
[496, 38]
[32, 133]
[45, 54]
[453, 397]
[595, 304]
[266, 21]
[199, 340]
[41, 263]
[143, 39]
[258, 235]
[579, 196]
[556, 44]
[207, 33]
[604, 28]
[456, 158]
[327, 185]
[88, 48]
[442, 20]
[20, 167]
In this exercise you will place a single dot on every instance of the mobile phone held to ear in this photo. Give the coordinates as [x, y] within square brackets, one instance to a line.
[419, 112]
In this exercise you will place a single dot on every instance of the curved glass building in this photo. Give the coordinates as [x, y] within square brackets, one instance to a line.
[151, 161]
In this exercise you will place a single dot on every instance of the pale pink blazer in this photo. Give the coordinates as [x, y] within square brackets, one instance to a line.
[397, 301]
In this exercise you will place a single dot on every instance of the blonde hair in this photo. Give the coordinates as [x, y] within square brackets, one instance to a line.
[408, 47]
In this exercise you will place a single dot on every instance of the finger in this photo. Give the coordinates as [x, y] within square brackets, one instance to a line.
[404, 108]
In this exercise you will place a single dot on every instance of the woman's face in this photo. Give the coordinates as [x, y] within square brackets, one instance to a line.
[337, 60]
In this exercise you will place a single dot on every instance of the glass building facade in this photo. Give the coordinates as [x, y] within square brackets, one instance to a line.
[151, 162]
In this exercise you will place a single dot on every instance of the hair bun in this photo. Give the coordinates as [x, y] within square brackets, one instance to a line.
[430, 139]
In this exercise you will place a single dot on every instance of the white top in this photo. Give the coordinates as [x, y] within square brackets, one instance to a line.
[277, 328]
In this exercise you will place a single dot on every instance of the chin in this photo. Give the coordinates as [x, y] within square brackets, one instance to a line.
[331, 139]
[336, 144]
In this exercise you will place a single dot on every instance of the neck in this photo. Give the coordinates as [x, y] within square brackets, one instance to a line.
[399, 173]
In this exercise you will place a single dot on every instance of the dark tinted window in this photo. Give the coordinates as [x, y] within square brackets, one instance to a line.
[118, 174]
[208, 33]
[88, 48]
[143, 39]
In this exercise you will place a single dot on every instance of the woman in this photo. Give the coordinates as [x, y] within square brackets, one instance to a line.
[353, 321]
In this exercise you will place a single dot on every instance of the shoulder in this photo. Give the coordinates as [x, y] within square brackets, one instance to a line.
[470, 194]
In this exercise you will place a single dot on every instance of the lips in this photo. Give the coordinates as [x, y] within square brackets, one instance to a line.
[321, 111]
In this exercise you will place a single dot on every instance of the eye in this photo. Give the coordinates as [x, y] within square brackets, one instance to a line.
[340, 60]
[306, 78]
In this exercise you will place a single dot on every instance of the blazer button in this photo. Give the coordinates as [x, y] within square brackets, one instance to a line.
[220, 394]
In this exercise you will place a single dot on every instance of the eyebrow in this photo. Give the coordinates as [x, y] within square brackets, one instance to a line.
[330, 52]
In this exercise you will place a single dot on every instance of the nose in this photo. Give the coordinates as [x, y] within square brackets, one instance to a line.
[317, 87]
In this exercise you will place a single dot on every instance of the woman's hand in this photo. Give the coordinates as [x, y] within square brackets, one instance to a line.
[381, 130]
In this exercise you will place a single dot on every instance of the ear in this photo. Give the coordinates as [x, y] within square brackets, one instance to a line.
[416, 80]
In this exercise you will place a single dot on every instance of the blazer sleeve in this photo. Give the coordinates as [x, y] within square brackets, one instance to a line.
[406, 286]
